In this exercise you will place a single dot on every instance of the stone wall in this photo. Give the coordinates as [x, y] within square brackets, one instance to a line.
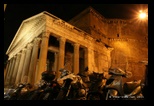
[82, 21]
[98, 27]
[128, 55]
[129, 39]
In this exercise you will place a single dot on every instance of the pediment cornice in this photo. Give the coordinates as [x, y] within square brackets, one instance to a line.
[27, 31]
[34, 26]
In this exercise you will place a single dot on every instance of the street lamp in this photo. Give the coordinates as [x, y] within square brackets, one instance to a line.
[143, 15]
[140, 16]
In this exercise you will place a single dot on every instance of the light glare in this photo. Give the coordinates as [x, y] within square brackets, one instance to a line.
[142, 15]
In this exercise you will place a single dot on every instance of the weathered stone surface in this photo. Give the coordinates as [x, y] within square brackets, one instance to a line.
[128, 38]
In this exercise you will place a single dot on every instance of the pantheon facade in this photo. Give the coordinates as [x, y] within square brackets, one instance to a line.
[46, 42]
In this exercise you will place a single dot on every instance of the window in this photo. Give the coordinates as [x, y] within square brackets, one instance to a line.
[117, 35]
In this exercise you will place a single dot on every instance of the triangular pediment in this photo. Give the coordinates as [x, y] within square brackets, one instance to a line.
[27, 31]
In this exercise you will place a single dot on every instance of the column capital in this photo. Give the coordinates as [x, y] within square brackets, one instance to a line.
[24, 50]
[36, 41]
[62, 39]
[46, 34]
[56, 53]
[14, 56]
[76, 44]
[10, 58]
[29, 46]
[8, 61]
[19, 53]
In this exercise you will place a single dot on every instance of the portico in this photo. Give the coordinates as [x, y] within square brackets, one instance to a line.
[45, 42]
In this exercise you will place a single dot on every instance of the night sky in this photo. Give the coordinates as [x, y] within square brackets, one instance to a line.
[15, 13]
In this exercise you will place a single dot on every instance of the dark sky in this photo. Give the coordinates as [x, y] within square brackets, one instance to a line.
[16, 13]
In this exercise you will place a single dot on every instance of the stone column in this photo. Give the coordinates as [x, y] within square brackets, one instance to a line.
[61, 55]
[5, 69]
[8, 71]
[36, 73]
[12, 69]
[99, 63]
[26, 62]
[76, 58]
[85, 57]
[13, 78]
[56, 62]
[33, 62]
[43, 54]
[20, 68]
[89, 56]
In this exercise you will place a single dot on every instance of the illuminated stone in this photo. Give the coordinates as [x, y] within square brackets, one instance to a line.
[102, 43]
